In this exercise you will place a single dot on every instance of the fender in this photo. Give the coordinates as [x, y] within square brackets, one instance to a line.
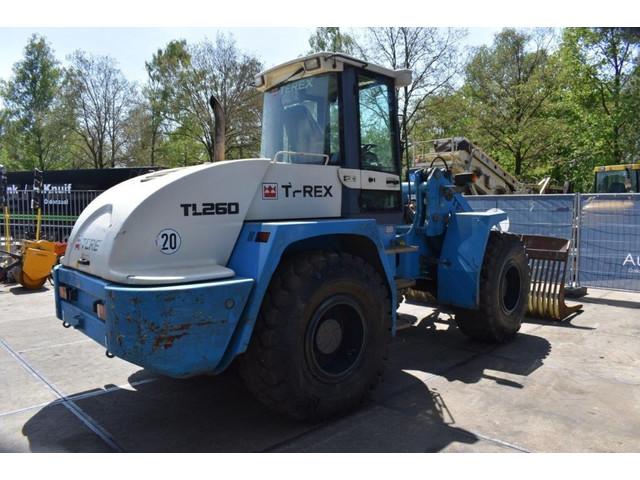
[255, 258]
[463, 251]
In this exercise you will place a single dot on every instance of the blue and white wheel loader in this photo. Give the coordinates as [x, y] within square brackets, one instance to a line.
[291, 264]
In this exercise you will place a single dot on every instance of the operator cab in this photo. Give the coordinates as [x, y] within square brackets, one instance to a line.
[335, 110]
[617, 179]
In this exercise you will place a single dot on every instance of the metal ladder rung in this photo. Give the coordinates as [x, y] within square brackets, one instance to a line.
[401, 249]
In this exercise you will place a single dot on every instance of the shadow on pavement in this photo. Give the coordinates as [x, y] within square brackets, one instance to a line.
[565, 323]
[217, 414]
[611, 302]
[520, 357]
[20, 290]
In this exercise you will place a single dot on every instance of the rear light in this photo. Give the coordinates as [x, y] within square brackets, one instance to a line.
[66, 293]
[100, 310]
[262, 237]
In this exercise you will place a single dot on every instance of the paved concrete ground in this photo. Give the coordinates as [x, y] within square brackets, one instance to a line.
[571, 387]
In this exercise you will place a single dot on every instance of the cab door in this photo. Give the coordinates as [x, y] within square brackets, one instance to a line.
[372, 178]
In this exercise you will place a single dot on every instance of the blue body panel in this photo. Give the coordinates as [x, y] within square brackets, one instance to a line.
[189, 329]
[450, 237]
[259, 260]
[176, 330]
[462, 255]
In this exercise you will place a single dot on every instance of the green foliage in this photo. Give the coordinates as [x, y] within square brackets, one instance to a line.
[31, 128]
[541, 109]
[600, 101]
[182, 77]
[510, 86]
[331, 39]
[539, 103]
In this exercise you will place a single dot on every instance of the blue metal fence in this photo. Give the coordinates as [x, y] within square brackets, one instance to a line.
[609, 241]
[604, 229]
[549, 215]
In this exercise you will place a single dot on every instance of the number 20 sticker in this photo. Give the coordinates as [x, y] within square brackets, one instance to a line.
[168, 241]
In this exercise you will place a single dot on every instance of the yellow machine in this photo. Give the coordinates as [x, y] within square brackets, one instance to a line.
[32, 265]
[38, 257]
[617, 178]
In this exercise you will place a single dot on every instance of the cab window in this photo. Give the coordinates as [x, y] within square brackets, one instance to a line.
[376, 129]
[301, 121]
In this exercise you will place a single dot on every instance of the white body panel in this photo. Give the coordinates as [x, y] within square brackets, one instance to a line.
[368, 179]
[178, 226]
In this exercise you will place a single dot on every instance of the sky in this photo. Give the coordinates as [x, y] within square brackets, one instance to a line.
[131, 47]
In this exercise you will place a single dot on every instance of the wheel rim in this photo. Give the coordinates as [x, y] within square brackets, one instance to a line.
[335, 338]
[510, 286]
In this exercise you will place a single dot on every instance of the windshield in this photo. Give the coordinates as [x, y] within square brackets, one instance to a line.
[617, 181]
[300, 121]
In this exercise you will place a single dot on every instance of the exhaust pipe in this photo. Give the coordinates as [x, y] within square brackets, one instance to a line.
[218, 118]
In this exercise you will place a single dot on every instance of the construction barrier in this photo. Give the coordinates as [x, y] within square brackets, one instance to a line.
[609, 241]
[604, 230]
[548, 215]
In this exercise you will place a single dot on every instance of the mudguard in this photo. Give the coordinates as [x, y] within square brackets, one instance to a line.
[258, 259]
[462, 255]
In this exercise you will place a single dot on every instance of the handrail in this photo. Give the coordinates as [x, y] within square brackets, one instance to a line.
[304, 154]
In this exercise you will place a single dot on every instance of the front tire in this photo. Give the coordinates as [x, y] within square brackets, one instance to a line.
[504, 290]
[321, 337]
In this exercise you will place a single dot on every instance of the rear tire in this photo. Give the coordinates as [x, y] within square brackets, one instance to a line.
[321, 338]
[504, 291]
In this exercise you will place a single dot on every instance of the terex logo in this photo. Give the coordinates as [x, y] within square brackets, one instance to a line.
[269, 191]
[307, 191]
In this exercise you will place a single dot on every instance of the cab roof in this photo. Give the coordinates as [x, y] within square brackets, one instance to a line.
[617, 168]
[324, 62]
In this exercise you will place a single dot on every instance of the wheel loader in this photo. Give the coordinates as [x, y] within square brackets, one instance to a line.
[617, 178]
[291, 264]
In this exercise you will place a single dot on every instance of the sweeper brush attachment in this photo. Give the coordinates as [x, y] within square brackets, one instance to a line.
[548, 258]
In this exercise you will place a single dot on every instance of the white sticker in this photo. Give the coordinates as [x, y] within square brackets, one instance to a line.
[168, 241]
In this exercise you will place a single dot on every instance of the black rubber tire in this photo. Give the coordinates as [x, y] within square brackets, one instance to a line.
[503, 297]
[278, 367]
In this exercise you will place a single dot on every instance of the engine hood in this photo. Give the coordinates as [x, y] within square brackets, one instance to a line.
[157, 228]
[178, 226]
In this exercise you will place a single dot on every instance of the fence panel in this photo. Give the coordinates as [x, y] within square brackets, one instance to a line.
[60, 209]
[549, 215]
[609, 241]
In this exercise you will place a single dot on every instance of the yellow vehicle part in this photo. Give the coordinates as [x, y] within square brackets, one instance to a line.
[38, 258]
[617, 168]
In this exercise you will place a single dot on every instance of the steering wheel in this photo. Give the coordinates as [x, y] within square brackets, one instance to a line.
[368, 156]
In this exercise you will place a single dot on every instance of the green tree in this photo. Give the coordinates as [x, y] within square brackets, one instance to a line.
[31, 131]
[331, 39]
[601, 98]
[511, 87]
[185, 76]
[432, 54]
[97, 99]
